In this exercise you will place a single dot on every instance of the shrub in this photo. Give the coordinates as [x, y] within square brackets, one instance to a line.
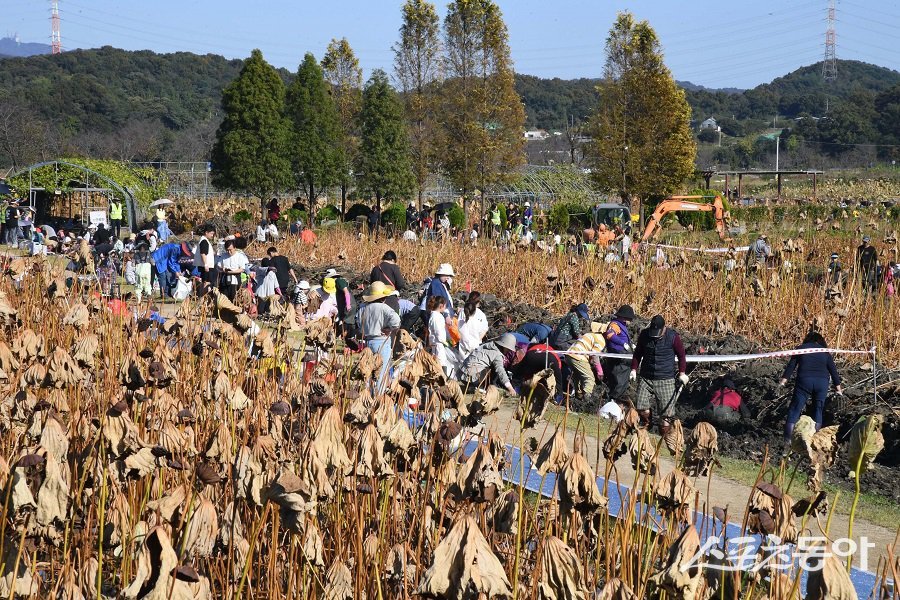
[457, 216]
[579, 214]
[329, 212]
[292, 214]
[395, 215]
[558, 218]
[504, 221]
[242, 216]
[702, 221]
[357, 210]
[709, 136]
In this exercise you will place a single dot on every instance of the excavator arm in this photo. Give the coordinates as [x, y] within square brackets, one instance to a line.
[684, 203]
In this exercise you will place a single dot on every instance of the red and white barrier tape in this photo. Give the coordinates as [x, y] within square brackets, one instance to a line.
[714, 358]
[709, 250]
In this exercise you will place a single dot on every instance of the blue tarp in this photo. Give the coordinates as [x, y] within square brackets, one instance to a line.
[620, 496]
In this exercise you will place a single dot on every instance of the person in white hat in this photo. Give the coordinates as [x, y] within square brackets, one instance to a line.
[377, 322]
[440, 286]
[527, 216]
[301, 300]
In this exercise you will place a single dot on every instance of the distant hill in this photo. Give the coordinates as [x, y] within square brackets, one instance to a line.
[13, 47]
[800, 92]
[102, 89]
[693, 87]
[97, 98]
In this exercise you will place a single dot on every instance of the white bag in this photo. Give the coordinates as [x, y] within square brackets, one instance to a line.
[182, 288]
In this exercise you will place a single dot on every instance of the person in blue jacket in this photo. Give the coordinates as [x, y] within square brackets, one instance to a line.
[440, 286]
[537, 333]
[166, 259]
[814, 374]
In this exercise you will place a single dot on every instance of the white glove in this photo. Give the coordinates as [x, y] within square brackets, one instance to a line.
[683, 378]
[627, 347]
[632, 376]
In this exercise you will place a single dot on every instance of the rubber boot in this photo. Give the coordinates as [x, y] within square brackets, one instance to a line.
[646, 418]
[665, 424]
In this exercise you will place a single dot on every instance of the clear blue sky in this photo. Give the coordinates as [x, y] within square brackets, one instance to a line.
[734, 43]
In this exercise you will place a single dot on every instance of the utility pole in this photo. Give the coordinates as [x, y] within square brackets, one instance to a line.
[55, 39]
[777, 147]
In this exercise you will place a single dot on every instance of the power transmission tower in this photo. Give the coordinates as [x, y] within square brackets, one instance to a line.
[829, 65]
[55, 39]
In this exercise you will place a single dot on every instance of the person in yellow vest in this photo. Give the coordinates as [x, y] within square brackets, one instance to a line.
[115, 216]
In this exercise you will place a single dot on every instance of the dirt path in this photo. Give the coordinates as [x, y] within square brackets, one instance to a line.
[722, 492]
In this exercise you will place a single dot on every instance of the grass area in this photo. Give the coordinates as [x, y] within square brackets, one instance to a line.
[874, 508]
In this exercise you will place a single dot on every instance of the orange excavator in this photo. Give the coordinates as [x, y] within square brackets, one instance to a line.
[683, 203]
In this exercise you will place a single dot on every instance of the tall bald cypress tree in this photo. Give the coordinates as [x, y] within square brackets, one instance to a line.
[643, 145]
[483, 117]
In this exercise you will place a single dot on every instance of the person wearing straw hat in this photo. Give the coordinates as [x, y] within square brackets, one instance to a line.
[440, 286]
[328, 304]
[377, 322]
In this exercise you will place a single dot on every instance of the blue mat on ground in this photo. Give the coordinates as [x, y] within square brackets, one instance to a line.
[620, 496]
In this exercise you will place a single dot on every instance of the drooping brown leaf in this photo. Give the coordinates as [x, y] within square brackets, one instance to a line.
[702, 446]
[561, 573]
[644, 457]
[680, 576]
[338, 581]
[577, 486]
[534, 396]
[674, 439]
[866, 441]
[554, 454]
[675, 494]
[464, 564]
[828, 578]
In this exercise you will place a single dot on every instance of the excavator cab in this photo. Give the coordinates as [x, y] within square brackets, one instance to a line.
[611, 214]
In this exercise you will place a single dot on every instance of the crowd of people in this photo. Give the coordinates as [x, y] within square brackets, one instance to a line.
[588, 355]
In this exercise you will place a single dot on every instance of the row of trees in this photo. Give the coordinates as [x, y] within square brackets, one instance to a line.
[457, 112]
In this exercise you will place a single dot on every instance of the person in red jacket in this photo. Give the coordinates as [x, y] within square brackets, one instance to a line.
[725, 406]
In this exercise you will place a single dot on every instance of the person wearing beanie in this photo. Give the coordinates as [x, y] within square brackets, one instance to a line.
[654, 359]
[618, 341]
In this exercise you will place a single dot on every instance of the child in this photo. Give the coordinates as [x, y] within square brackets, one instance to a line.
[142, 272]
[301, 300]
[128, 270]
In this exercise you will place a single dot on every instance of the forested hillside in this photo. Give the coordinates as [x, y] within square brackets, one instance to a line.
[146, 106]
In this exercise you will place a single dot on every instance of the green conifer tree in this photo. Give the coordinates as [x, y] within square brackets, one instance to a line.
[384, 168]
[316, 151]
[250, 154]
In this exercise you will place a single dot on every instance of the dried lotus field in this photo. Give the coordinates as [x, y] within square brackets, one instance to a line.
[773, 307]
[148, 461]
